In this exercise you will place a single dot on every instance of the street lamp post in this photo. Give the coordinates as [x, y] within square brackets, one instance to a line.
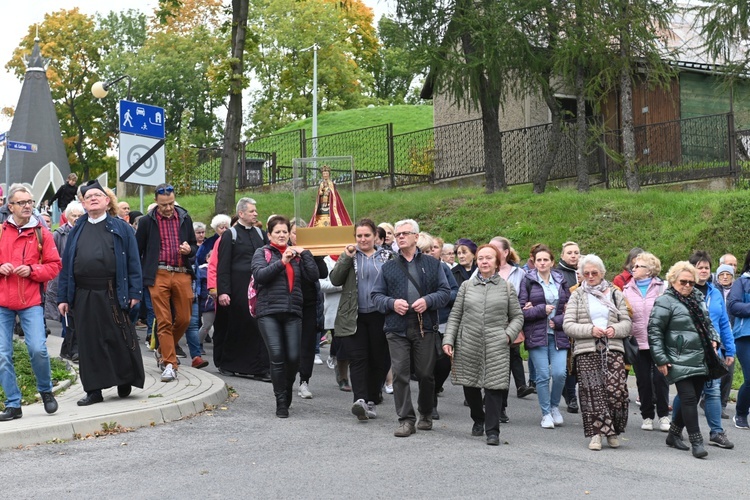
[314, 48]
[100, 91]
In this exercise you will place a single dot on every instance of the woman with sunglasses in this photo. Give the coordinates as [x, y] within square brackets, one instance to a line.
[679, 334]
[641, 293]
[597, 319]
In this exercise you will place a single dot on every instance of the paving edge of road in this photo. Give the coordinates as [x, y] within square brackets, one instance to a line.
[158, 402]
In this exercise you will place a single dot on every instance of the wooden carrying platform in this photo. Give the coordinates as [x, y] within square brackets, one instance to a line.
[331, 240]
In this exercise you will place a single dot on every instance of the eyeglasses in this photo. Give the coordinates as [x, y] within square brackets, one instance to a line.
[403, 234]
[94, 195]
[23, 203]
[165, 190]
[686, 282]
[639, 266]
[593, 274]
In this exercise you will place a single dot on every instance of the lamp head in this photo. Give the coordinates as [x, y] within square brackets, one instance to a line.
[100, 90]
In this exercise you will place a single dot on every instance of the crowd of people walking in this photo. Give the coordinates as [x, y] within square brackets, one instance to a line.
[401, 306]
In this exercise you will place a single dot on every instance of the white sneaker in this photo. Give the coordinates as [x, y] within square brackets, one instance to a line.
[371, 410]
[596, 443]
[664, 424]
[613, 441]
[547, 422]
[331, 362]
[318, 360]
[359, 409]
[389, 389]
[304, 392]
[168, 375]
[647, 425]
[556, 415]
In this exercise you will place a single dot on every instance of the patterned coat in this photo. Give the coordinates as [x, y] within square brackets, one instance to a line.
[484, 318]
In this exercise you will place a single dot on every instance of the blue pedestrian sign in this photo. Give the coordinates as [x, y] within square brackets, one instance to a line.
[141, 119]
[23, 146]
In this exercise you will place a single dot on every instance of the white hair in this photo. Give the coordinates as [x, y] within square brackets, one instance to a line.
[73, 206]
[243, 203]
[220, 219]
[17, 188]
[414, 225]
[591, 260]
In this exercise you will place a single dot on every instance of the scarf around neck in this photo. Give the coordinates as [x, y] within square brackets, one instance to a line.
[601, 292]
[287, 267]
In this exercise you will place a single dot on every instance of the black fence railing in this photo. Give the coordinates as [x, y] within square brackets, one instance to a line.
[689, 149]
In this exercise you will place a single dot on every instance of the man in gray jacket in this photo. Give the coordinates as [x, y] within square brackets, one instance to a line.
[410, 290]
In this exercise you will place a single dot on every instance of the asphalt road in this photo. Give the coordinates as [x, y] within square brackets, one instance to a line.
[241, 450]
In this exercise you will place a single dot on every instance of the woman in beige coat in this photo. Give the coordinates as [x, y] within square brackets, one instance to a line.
[485, 320]
[597, 319]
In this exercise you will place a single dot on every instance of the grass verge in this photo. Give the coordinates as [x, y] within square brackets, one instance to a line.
[25, 375]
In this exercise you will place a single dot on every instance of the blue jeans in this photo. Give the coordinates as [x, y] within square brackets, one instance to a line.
[743, 356]
[549, 362]
[712, 395]
[150, 316]
[32, 322]
[191, 334]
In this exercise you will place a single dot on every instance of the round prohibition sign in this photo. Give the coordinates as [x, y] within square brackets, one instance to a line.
[148, 167]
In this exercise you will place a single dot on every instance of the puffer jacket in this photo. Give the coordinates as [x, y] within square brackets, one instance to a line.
[642, 307]
[717, 310]
[20, 246]
[485, 319]
[673, 338]
[535, 318]
[738, 303]
[578, 325]
[569, 273]
[272, 284]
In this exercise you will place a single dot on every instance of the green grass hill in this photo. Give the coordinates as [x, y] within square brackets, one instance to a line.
[605, 222]
[405, 118]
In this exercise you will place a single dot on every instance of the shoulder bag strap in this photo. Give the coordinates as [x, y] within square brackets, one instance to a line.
[408, 275]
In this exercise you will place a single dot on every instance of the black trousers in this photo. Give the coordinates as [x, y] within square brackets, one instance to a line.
[282, 335]
[365, 351]
[689, 390]
[652, 385]
[490, 415]
[441, 373]
[726, 384]
[308, 341]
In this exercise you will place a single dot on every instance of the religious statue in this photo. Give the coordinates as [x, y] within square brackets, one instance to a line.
[329, 209]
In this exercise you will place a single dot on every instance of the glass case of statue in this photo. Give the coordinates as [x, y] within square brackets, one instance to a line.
[324, 203]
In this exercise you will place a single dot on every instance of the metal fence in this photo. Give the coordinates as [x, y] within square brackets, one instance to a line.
[694, 148]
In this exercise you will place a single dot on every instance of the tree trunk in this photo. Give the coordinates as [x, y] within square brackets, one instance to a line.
[582, 164]
[628, 131]
[553, 146]
[225, 194]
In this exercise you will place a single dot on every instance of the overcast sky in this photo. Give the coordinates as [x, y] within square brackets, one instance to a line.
[28, 13]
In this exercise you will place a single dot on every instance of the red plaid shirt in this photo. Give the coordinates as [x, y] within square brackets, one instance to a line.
[169, 230]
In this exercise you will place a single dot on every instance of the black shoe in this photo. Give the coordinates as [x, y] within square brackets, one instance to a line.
[493, 440]
[532, 384]
[91, 399]
[524, 391]
[477, 429]
[675, 441]
[74, 357]
[282, 406]
[207, 340]
[11, 413]
[226, 373]
[263, 377]
[180, 353]
[573, 405]
[124, 390]
[50, 404]
[435, 414]
[696, 441]
[503, 417]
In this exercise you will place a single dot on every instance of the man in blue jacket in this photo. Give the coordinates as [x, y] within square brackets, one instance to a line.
[711, 402]
[410, 290]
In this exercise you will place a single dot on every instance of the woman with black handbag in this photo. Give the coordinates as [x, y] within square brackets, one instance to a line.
[683, 345]
[597, 319]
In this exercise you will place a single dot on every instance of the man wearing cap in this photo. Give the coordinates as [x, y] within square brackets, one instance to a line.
[99, 284]
[28, 259]
[166, 241]
[410, 290]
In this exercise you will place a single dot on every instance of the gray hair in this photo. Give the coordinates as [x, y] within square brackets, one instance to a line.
[243, 203]
[199, 225]
[591, 260]
[414, 225]
[73, 206]
[17, 188]
[220, 219]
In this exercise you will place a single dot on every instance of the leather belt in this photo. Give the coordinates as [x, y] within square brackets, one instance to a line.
[173, 269]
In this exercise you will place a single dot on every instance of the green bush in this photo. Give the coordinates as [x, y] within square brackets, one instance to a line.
[25, 376]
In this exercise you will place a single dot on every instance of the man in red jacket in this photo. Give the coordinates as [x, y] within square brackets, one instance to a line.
[28, 260]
